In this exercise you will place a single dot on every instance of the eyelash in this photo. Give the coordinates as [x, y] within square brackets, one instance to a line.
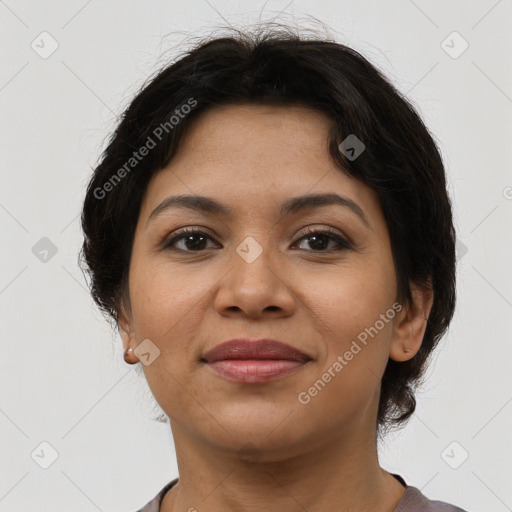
[344, 244]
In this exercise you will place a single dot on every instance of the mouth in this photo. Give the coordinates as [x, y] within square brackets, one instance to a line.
[246, 361]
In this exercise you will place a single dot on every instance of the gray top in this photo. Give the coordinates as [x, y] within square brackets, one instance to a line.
[412, 500]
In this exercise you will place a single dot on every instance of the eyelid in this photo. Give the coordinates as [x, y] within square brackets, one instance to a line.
[343, 241]
[178, 233]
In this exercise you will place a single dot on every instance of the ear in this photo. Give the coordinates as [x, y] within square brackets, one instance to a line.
[411, 323]
[125, 328]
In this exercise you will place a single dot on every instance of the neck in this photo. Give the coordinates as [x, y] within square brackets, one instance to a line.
[317, 476]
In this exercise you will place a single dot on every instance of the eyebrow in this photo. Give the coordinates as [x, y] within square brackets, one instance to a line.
[291, 206]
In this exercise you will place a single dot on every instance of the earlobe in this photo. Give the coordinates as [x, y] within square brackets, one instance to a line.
[411, 324]
[128, 341]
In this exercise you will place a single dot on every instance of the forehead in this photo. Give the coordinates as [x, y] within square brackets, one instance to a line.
[247, 154]
[256, 134]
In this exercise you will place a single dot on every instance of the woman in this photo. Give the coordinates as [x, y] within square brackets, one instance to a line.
[270, 231]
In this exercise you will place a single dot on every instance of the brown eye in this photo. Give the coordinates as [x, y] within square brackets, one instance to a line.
[192, 240]
[319, 240]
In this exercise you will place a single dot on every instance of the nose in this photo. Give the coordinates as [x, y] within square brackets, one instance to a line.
[254, 287]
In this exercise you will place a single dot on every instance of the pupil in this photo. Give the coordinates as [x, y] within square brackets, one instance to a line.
[191, 245]
[315, 244]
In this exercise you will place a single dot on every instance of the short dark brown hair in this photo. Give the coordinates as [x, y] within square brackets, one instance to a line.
[401, 163]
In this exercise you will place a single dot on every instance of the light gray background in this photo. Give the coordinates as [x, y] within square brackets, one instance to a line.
[62, 377]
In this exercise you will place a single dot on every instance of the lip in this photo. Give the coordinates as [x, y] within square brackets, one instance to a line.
[243, 360]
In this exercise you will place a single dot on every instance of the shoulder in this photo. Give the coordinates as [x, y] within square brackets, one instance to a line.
[413, 500]
[154, 504]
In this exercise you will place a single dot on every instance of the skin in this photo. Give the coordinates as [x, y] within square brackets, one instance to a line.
[319, 456]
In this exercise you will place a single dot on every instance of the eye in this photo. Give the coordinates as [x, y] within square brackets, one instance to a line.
[319, 239]
[193, 239]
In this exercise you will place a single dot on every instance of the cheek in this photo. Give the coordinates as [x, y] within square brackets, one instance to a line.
[346, 382]
[166, 306]
[163, 294]
[163, 306]
[353, 311]
[170, 304]
[351, 299]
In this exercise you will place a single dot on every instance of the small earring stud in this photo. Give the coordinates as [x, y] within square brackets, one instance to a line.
[129, 356]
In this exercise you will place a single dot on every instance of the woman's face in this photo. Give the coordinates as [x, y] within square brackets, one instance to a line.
[257, 273]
